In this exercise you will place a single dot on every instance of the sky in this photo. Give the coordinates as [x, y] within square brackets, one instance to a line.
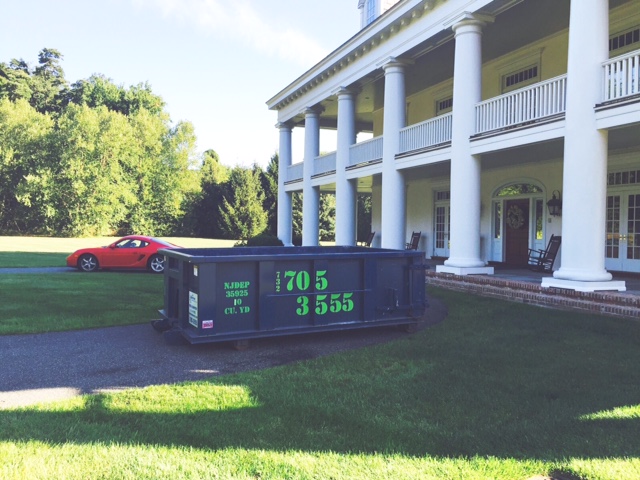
[214, 62]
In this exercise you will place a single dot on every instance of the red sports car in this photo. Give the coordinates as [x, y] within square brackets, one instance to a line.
[133, 251]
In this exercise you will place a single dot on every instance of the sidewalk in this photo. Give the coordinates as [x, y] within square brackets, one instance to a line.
[524, 286]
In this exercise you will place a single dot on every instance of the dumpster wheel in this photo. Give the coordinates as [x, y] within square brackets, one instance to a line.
[410, 327]
[241, 345]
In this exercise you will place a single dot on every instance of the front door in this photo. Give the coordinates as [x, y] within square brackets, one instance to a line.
[622, 248]
[517, 232]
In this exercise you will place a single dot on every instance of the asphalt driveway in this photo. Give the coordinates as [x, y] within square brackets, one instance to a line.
[52, 366]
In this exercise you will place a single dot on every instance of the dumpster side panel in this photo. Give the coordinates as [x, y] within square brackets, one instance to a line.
[237, 292]
[290, 302]
[233, 294]
[393, 293]
[317, 292]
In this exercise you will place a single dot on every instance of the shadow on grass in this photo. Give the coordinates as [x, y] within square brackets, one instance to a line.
[496, 379]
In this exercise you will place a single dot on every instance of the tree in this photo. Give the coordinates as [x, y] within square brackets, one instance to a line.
[364, 216]
[93, 159]
[47, 82]
[93, 192]
[166, 180]
[296, 217]
[98, 90]
[213, 176]
[15, 81]
[327, 216]
[242, 213]
[270, 188]
[25, 174]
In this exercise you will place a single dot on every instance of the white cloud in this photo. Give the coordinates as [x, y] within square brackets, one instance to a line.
[238, 19]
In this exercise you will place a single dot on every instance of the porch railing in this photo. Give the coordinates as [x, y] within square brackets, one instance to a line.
[294, 172]
[366, 151]
[324, 163]
[622, 76]
[426, 134]
[525, 105]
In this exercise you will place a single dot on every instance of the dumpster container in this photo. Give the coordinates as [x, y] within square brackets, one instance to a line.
[237, 294]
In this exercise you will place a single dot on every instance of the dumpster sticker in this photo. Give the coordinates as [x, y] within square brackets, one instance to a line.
[193, 309]
[207, 323]
[236, 292]
[324, 303]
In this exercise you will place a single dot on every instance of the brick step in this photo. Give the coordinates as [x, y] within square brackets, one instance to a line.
[617, 304]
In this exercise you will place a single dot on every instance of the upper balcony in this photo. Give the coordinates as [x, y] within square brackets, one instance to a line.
[542, 102]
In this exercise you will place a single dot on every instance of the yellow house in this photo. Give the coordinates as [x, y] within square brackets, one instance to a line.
[482, 112]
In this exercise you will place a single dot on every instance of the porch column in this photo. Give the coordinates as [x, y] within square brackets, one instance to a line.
[285, 218]
[585, 155]
[345, 191]
[310, 194]
[394, 211]
[465, 168]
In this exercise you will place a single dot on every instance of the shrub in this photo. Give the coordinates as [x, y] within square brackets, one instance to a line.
[262, 240]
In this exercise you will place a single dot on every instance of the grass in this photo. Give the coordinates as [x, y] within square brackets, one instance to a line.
[77, 300]
[497, 391]
[32, 259]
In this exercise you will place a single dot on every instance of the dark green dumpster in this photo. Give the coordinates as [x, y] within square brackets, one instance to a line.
[237, 294]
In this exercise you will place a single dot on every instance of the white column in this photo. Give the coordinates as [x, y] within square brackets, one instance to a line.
[285, 218]
[394, 210]
[345, 190]
[585, 155]
[465, 168]
[310, 194]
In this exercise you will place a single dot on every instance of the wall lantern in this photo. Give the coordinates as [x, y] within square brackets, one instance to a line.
[555, 204]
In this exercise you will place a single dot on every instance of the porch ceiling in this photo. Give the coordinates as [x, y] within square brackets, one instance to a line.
[624, 138]
[532, 153]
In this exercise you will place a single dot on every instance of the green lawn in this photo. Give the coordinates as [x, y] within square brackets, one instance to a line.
[33, 303]
[32, 259]
[497, 391]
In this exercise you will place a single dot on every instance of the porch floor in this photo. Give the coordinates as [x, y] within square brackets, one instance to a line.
[522, 285]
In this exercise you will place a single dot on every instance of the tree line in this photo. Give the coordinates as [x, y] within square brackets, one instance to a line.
[96, 158]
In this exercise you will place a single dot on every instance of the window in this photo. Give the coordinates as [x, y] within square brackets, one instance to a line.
[518, 189]
[631, 177]
[521, 78]
[370, 13]
[623, 39]
[497, 218]
[539, 218]
[444, 105]
[444, 195]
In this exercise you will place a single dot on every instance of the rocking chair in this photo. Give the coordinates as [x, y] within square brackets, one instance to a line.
[367, 242]
[415, 240]
[542, 260]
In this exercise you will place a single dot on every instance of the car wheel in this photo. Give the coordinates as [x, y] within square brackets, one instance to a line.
[88, 263]
[156, 263]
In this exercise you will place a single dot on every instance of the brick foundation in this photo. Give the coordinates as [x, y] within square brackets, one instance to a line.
[606, 303]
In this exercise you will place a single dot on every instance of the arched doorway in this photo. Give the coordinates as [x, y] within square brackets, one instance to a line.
[517, 222]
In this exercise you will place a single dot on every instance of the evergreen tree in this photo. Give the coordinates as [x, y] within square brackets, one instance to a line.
[364, 216]
[242, 214]
[213, 176]
[327, 217]
[270, 188]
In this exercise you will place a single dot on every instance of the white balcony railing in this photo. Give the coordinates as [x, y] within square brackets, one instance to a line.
[366, 151]
[294, 172]
[324, 163]
[525, 105]
[622, 76]
[426, 134]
